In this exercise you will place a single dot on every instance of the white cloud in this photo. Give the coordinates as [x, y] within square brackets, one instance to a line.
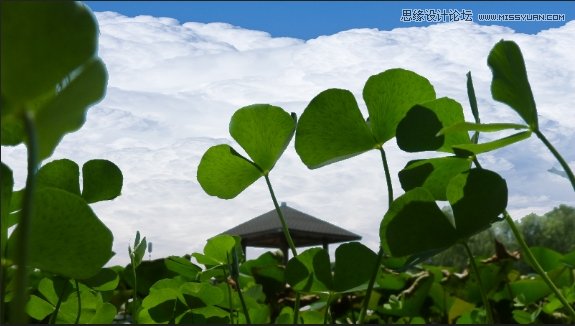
[173, 88]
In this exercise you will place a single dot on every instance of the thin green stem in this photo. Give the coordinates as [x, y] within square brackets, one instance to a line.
[387, 177]
[296, 309]
[57, 308]
[239, 288]
[380, 254]
[531, 258]
[326, 314]
[558, 156]
[230, 299]
[288, 239]
[21, 297]
[281, 216]
[79, 303]
[484, 298]
[365, 304]
[535, 264]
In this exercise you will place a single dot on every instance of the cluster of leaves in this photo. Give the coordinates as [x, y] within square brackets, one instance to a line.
[58, 246]
[223, 289]
[402, 105]
[52, 241]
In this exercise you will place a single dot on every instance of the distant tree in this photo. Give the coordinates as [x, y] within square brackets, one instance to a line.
[554, 230]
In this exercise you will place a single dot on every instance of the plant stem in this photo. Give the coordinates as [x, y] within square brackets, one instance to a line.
[288, 239]
[21, 297]
[558, 156]
[327, 308]
[367, 297]
[79, 303]
[233, 266]
[380, 254]
[281, 216]
[535, 264]
[531, 259]
[484, 297]
[387, 178]
[296, 308]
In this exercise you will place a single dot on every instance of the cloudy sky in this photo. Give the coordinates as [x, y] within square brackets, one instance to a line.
[173, 86]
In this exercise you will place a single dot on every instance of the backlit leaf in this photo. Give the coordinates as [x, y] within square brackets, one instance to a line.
[264, 131]
[332, 129]
[510, 84]
[62, 174]
[432, 174]
[418, 131]
[66, 237]
[67, 111]
[106, 280]
[483, 127]
[389, 95]
[38, 49]
[225, 173]
[310, 271]
[38, 308]
[468, 149]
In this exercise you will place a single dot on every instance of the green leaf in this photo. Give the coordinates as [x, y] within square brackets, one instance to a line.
[7, 185]
[38, 308]
[472, 98]
[411, 300]
[148, 273]
[332, 129]
[310, 271]
[389, 95]
[217, 250]
[102, 180]
[106, 280]
[510, 84]
[419, 130]
[523, 317]
[432, 174]
[11, 130]
[225, 173]
[483, 127]
[264, 131]
[104, 314]
[477, 198]
[548, 259]
[208, 294]
[38, 48]
[354, 265]
[66, 237]
[414, 223]
[63, 174]
[67, 111]
[466, 149]
[183, 267]
[140, 251]
[529, 290]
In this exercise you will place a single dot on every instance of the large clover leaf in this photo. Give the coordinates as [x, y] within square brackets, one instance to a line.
[477, 198]
[263, 131]
[310, 271]
[332, 128]
[48, 72]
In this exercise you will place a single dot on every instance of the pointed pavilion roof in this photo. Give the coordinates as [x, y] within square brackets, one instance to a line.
[266, 230]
